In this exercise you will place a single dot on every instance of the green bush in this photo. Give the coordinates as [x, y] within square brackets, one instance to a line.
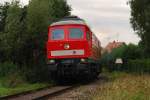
[125, 52]
[7, 68]
[10, 75]
[138, 66]
[12, 80]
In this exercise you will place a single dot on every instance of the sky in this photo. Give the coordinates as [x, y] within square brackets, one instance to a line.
[108, 19]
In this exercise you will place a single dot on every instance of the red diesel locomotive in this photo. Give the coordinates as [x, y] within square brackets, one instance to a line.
[72, 49]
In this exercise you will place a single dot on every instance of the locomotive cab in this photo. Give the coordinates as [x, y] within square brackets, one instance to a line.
[69, 47]
[68, 42]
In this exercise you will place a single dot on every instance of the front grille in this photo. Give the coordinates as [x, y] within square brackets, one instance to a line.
[70, 61]
[67, 61]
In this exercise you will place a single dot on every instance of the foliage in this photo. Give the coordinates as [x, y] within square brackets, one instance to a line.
[10, 74]
[138, 66]
[23, 34]
[132, 59]
[126, 52]
[3, 15]
[7, 68]
[4, 91]
[123, 87]
[140, 20]
[13, 32]
[40, 15]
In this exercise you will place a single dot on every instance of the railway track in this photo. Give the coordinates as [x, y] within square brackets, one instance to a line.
[42, 94]
[49, 92]
[57, 93]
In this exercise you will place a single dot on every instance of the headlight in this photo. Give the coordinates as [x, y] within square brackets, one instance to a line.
[66, 46]
[83, 60]
[51, 61]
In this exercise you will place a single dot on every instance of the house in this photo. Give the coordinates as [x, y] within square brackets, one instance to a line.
[113, 45]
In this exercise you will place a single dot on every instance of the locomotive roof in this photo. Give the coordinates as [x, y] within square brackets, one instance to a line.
[69, 20]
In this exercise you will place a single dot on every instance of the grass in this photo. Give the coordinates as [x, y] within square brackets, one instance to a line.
[15, 83]
[123, 86]
[4, 91]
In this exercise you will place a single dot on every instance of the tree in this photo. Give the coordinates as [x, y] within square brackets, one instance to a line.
[14, 32]
[140, 20]
[3, 15]
[126, 52]
[24, 33]
[40, 14]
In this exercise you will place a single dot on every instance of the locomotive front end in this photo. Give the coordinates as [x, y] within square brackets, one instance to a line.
[69, 48]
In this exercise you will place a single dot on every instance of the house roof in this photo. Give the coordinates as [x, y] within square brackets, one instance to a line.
[113, 45]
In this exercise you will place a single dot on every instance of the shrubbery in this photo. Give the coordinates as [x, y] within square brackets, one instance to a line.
[132, 59]
[10, 75]
[138, 66]
[7, 68]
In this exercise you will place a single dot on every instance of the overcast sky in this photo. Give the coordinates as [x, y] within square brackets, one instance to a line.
[109, 19]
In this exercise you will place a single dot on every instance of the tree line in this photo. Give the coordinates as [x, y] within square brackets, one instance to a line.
[140, 21]
[23, 33]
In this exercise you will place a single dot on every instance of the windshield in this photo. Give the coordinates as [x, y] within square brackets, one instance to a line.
[57, 34]
[75, 33]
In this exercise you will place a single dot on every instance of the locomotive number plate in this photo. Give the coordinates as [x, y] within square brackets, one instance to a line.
[67, 52]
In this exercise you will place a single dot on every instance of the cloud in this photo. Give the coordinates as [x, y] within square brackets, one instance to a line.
[109, 19]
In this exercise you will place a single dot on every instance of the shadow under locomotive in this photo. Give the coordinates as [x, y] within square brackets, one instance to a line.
[74, 69]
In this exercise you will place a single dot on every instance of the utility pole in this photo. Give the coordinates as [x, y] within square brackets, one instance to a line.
[117, 35]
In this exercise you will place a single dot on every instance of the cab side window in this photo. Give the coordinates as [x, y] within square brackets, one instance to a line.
[88, 37]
